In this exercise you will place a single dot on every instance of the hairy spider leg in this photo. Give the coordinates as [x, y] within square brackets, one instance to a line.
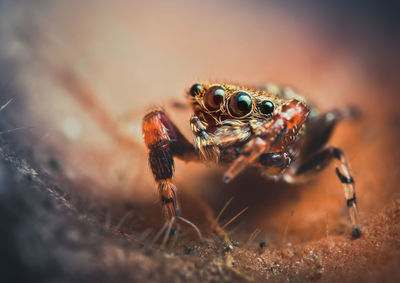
[164, 141]
[319, 161]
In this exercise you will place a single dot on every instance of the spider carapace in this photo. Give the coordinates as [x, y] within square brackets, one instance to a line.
[270, 128]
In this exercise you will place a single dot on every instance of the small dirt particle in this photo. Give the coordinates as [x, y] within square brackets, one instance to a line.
[189, 250]
[228, 248]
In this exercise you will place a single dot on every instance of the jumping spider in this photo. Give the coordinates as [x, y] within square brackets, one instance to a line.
[273, 129]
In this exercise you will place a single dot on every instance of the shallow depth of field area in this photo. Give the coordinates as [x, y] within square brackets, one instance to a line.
[77, 199]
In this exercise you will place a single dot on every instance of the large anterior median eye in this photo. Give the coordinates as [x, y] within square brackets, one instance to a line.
[240, 104]
[214, 97]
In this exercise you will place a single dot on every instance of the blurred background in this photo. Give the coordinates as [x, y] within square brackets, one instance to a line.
[76, 79]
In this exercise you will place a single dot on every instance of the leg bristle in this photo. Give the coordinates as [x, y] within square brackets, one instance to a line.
[193, 226]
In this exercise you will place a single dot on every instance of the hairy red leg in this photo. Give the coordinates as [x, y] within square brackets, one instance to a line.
[164, 141]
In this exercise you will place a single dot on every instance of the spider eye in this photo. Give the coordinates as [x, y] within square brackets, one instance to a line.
[196, 89]
[214, 97]
[266, 107]
[240, 104]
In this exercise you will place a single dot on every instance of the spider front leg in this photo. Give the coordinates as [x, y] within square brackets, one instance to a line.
[250, 152]
[165, 141]
[316, 163]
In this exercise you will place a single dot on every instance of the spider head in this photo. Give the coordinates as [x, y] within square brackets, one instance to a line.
[228, 101]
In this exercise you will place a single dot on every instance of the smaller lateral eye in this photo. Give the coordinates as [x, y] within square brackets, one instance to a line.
[266, 107]
[196, 89]
[214, 97]
[240, 104]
